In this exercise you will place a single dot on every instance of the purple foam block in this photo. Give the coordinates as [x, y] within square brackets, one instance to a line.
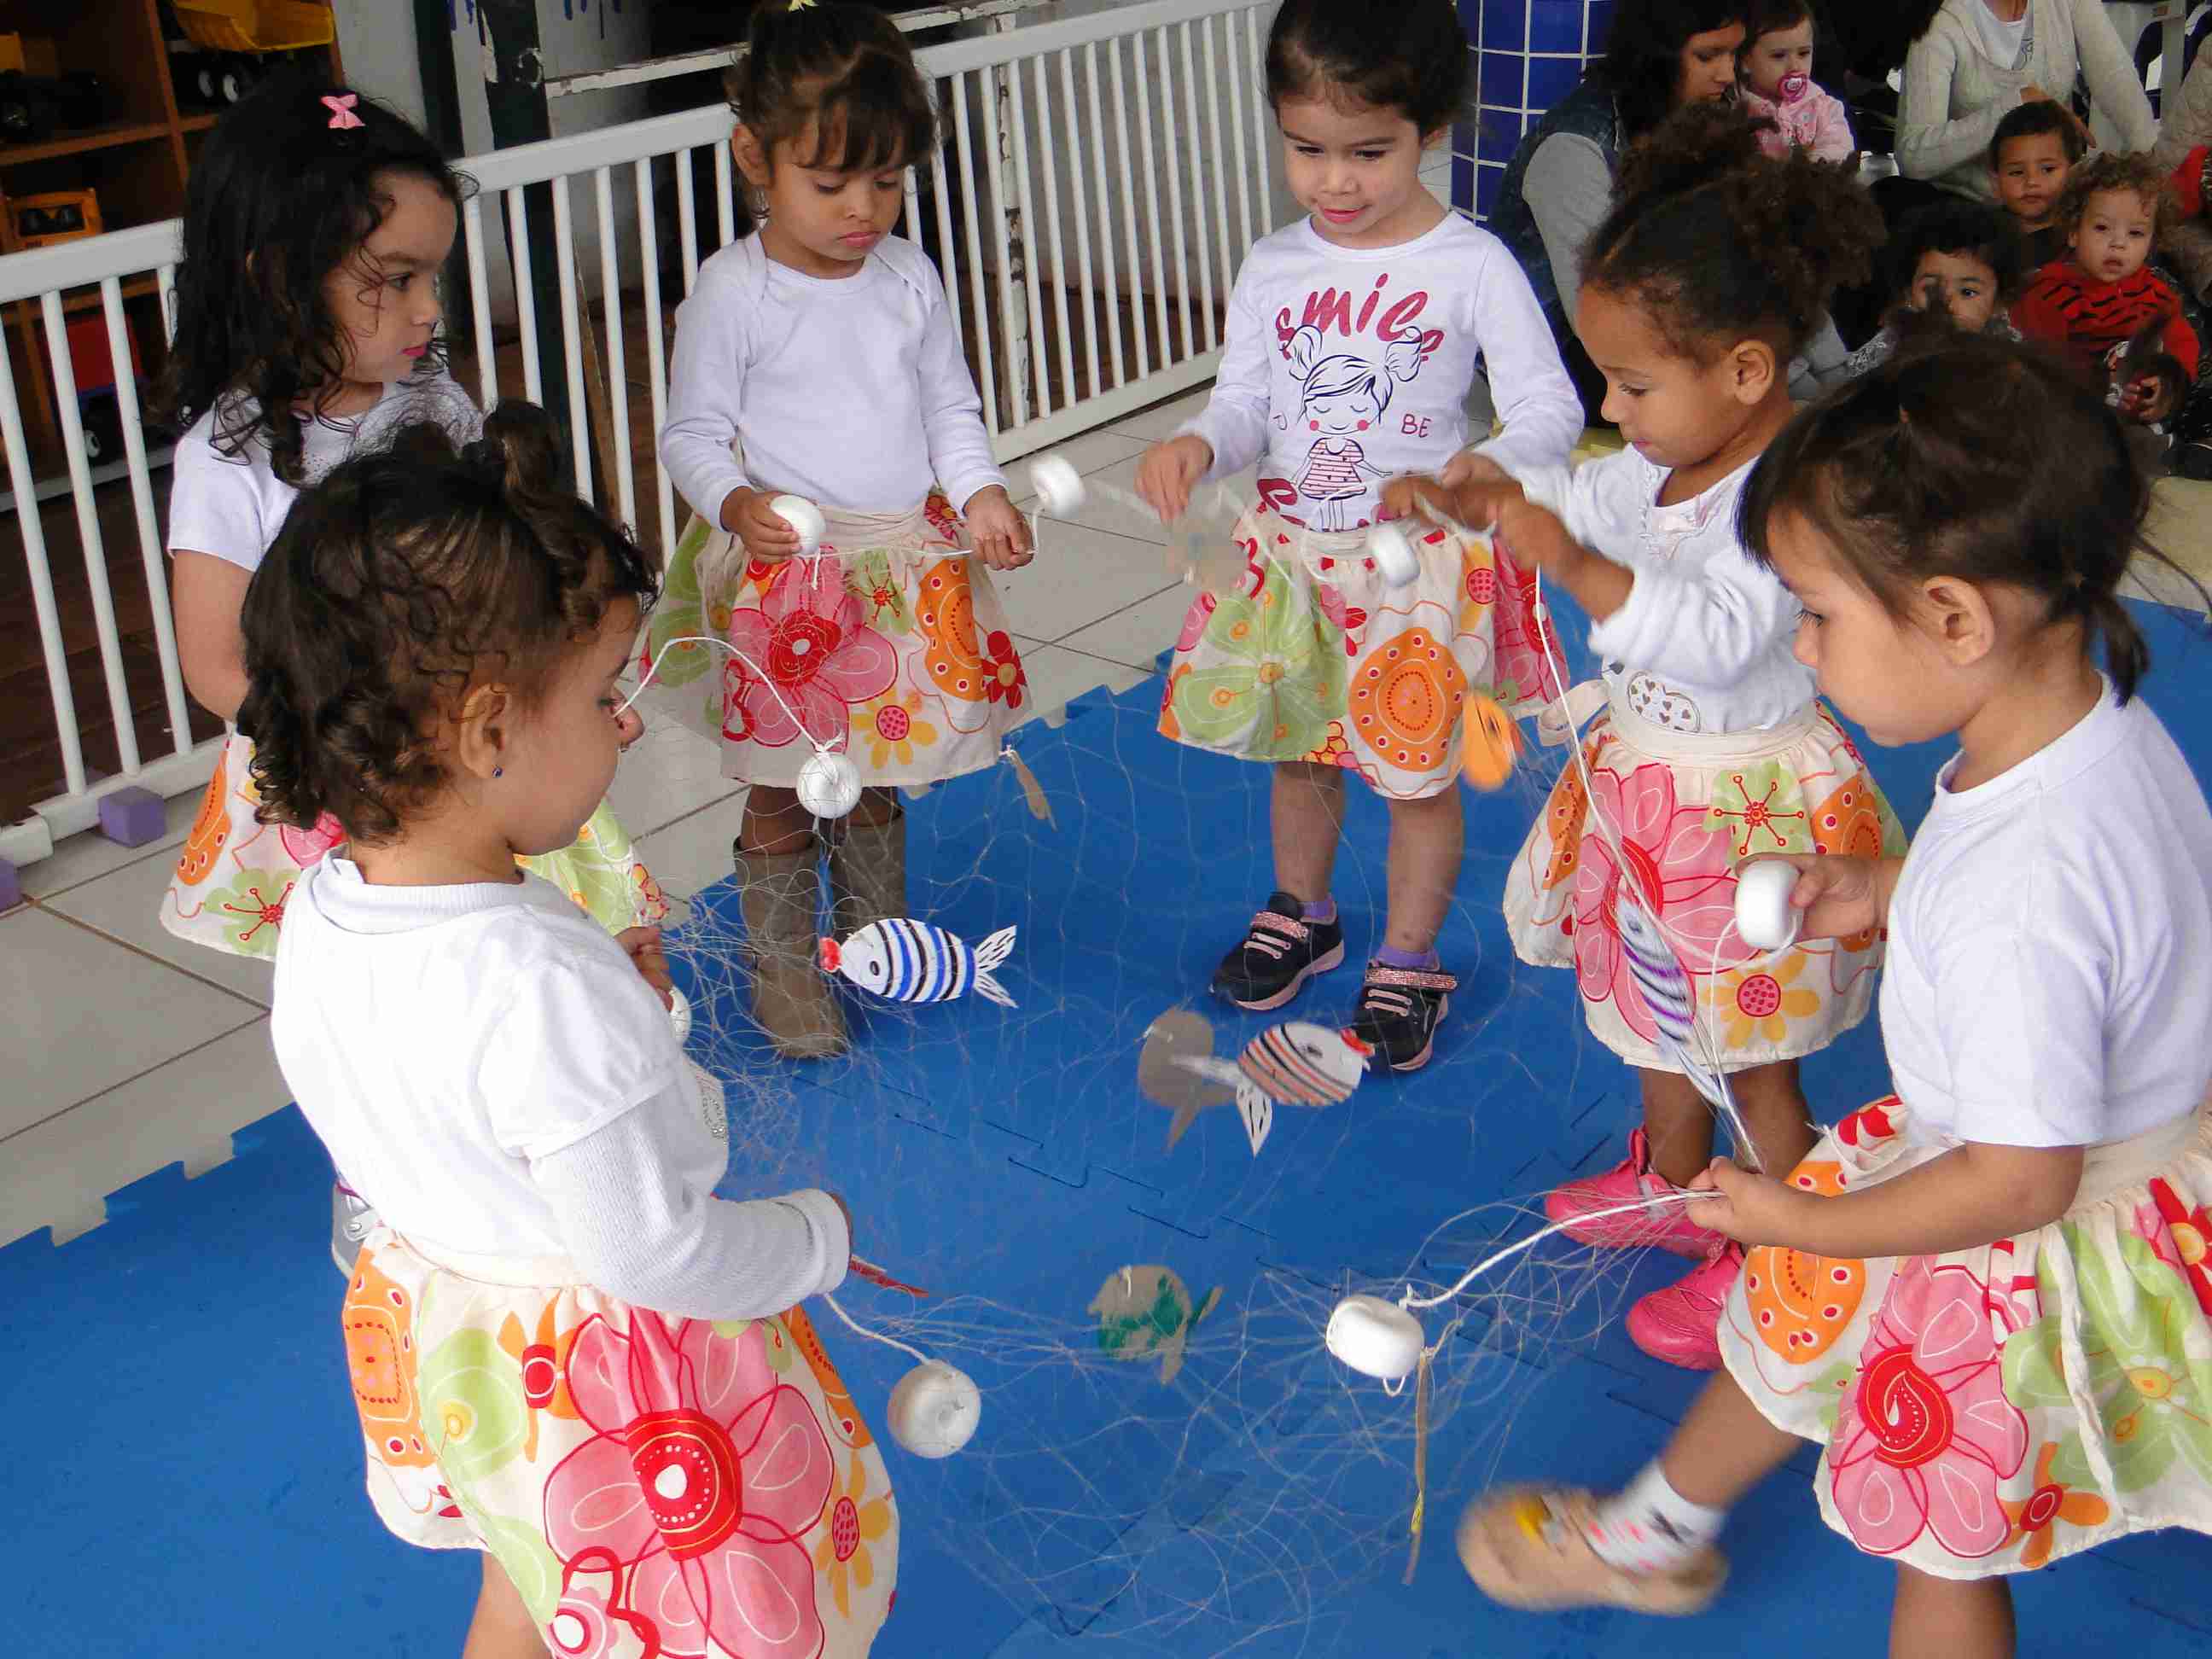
[133, 817]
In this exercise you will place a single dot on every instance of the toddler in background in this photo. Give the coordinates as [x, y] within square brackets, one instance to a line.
[2118, 321]
[2035, 148]
[1774, 79]
[1958, 260]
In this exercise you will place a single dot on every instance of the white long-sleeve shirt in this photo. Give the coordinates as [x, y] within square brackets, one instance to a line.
[1955, 92]
[1344, 366]
[851, 392]
[1703, 641]
[489, 1072]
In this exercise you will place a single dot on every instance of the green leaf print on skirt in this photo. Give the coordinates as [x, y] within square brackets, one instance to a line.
[683, 613]
[1761, 809]
[597, 870]
[2154, 1398]
[1266, 676]
[534, 1570]
[871, 580]
[475, 1414]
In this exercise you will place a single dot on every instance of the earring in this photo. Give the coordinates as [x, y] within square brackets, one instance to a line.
[499, 771]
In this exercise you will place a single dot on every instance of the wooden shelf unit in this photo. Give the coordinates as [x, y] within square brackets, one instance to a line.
[137, 159]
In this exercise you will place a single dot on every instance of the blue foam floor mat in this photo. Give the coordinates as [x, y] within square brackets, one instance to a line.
[185, 1478]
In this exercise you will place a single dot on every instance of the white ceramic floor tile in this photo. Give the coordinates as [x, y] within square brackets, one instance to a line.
[1059, 676]
[694, 851]
[1136, 636]
[56, 1173]
[125, 906]
[672, 770]
[1212, 512]
[1081, 573]
[1161, 420]
[1086, 453]
[85, 1014]
[83, 857]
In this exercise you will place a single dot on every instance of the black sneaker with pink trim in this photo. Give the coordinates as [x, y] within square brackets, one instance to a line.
[1280, 953]
[1399, 1009]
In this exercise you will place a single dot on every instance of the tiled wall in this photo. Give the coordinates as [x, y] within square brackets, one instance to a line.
[1527, 55]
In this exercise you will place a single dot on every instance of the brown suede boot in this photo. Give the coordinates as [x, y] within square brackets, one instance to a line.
[780, 896]
[867, 874]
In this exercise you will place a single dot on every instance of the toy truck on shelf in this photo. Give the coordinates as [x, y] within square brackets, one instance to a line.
[227, 46]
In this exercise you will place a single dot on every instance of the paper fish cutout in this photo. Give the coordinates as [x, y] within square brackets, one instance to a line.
[1147, 1312]
[1658, 975]
[1179, 1034]
[908, 961]
[1296, 1064]
[1490, 743]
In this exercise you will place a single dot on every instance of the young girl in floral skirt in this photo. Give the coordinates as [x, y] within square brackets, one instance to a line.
[1984, 1297]
[818, 358]
[1710, 748]
[566, 1352]
[1353, 336]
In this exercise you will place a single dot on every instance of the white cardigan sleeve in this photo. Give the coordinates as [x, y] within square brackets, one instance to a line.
[1930, 142]
[1235, 419]
[2117, 99]
[706, 388]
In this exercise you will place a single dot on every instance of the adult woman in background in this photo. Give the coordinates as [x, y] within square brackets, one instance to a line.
[1659, 55]
[1979, 60]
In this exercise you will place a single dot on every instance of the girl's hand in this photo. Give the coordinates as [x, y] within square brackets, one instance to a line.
[1537, 537]
[1837, 894]
[642, 945]
[1417, 495]
[766, 534]
[1750, 1209]
[1170, 472]
[999, 535]
[1469, 467]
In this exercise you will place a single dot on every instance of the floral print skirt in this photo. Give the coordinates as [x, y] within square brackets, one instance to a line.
[1987, 1411]
[1686, 810]
[651, 1485]
[880, 645]
[230, 885]
[1314, 658]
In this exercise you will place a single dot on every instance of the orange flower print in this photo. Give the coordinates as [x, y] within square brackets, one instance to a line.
[1801, 1303]
[211, 829]
[1170, 728]
[2035, 1518]
[892, 727]
[1563, 822]
[379, 1322]
[1759, 1001]
[543, 1359]
[851, 1522]
[844, 1414]
[1847, 821]
[1335, 751]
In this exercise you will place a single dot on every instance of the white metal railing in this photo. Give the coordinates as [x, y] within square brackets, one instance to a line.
[1105, 175]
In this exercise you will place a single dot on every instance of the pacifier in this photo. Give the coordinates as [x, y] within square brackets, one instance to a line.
[1792, 87]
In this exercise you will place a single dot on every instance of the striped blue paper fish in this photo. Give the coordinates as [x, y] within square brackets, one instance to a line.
[1659, 975]
[908, 961]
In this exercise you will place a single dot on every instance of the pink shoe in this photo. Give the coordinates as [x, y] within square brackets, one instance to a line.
[1628, 1181]
[1681, 1323]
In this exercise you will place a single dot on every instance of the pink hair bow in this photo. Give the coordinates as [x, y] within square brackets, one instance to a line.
[341, 108]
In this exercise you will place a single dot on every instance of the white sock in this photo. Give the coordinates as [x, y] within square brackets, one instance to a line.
[1650, 1526]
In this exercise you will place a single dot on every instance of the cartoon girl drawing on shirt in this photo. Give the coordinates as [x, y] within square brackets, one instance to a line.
[1344, 394]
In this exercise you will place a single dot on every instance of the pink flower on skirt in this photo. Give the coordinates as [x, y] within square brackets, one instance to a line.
[1194, 621]
[705, 1473]
[1925, 1435]
[304, 846]
[811, 654]
[1681, 871]
[1527, 644]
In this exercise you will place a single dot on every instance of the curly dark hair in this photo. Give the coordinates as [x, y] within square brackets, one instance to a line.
[1968, 456]
[408, 575]
[278, 201]
[1978, 230]
[844, 71]
[1418, 65]
[2119, 170]
[2038, 116]
[1718, 241]
[1642, 64]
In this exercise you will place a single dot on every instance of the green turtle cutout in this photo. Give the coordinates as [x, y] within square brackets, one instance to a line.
[1147, 1312]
